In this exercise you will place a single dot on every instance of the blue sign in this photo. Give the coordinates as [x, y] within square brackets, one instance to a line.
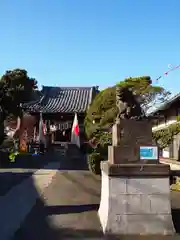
[149, 153]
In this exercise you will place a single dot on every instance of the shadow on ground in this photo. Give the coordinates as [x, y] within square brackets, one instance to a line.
[68, 162]
[78, 163]
[24, 161]
[42, 222]
[27, 161]
[66, 209]
[15, 204]
[176, 219]
[38, 225]
[9, 180]
[14, 173]
[24, 166]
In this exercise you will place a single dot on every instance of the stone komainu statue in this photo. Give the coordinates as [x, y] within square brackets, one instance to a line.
[127, 104]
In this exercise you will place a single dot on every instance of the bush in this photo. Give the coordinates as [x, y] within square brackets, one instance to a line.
[101, 113]
[99, 119]
[164, 137]
[103, 140]
[94, 160]
[86, 148]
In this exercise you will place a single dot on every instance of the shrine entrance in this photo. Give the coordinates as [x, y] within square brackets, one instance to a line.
[62, 135]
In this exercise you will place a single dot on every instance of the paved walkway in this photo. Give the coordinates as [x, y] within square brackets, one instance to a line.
[18, 202]
[67, 208]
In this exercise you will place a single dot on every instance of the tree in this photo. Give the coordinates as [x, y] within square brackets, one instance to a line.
[16, 87]
[148, 94]
[102, 112]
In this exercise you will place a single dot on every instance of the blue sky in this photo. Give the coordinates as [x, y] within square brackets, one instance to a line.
[91, 42]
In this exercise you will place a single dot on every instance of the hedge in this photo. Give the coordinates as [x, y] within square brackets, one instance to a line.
[94, 160]
[164, 137]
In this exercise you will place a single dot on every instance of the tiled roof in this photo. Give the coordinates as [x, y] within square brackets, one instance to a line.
[62, 99]
[166, 104]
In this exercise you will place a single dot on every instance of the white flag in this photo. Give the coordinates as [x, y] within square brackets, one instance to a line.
[75, 139]
[41, 129]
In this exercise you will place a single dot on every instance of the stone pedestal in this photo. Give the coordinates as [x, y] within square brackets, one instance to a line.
[135, 193]
[127, 137]
[135, 199]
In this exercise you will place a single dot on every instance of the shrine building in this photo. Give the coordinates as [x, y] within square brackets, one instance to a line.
[58, 106]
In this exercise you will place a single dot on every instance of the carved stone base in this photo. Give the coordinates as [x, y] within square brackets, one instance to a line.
[127, 137]
[126, 155]
[135, 200]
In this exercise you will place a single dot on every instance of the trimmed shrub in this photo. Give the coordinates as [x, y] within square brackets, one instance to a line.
[102, 112]
[105, 140]
[101, 143]
[86, 148]
[94, 160]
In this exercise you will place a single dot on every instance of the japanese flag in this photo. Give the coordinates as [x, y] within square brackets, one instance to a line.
[75, 139]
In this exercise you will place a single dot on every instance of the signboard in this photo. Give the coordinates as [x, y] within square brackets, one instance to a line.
[148, 153]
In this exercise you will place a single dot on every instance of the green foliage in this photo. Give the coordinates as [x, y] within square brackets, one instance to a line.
[94, 160]
[16, 87]
[86, 148]
[165, 136]
[147, 93]
[178, 118]
[103, 111]
[103, 140]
